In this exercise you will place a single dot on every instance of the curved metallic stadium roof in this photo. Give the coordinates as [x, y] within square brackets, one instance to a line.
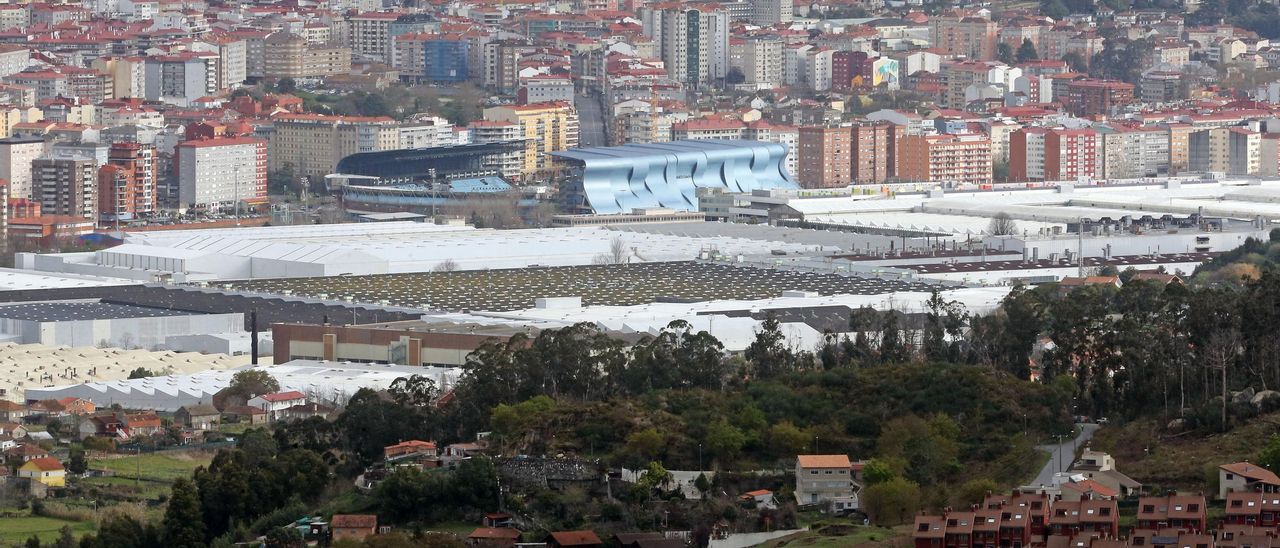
[619, 179]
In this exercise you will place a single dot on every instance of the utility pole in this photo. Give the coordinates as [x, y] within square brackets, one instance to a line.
[1080, 247]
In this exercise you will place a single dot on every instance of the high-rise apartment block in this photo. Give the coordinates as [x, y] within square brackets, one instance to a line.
[217, 174]
[313, 143]
[545, 127]
[963, 158]
[825, 157]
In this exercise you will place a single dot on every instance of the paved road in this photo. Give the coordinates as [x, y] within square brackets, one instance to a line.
[1067, 450]
[590, 121]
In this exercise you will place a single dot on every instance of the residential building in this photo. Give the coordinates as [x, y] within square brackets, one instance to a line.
[1133, 151]
[410, 448]
[873, 152]
[960, 158]
[701, 129]
[956, 78]
[1054, 154]
[181, 78]
[200, 416]
[1085, 517]
[66, 186]
[65, 81]
[760, 60]
[140, 196]
[274, 403]
[1244, 476]
[822, 479]
[46, 470]
[370, 34]
[352, 526]
[545, 127]
[693, 42]
[1231, 150]
[510, 164]
[1179, 147]
[313, 143]
[291, 56]
[14, 58]
[788, 136]
[1186, 513]
[1097, 97]
[973, 37]
[221, 173]
[824, 156]
[767, 13]
[429, 57]
[16, 155]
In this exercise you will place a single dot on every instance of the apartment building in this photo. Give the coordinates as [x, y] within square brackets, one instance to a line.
[232, 59]
[957, 76]
[313, 143]
[181, 78]
[973, 37]
[1179, 146]
[16, 155]
[370, 34]
[291, 56]
[128, 75]
[759, 58]
[1097, 97]
[1230, 150]
[139, 162]
[1054, 154]
[637, 121]
[767, 13]
[1182, 512]
[65, 81]
[65, 186]
[693, 42]
[423, 57]
[962, 158]
[216, 174]
[824, 156]
[511, 164]
[1133, 151]
[545, 127]
[874, 152]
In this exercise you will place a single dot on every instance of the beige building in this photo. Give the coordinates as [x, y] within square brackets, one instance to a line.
[1179, 151]
[370, 34]
[11, 116]
[953, 158]
[1231, 150]
[485, 131]
[291, 56]
[65, 186]
[545, 127]
[1133, 152]
[314, 143]
[973, 37]
[826, 478]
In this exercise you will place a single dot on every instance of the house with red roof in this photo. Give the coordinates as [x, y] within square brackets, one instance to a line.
[352, 526]
[273, 404]
[493, 537]
[1245, 476]
[576, 539]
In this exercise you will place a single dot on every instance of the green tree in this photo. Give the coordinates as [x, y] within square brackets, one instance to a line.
[877, 471]
[725, 441]
[655, 476]
[1269, 458]
[788, 440]
[66, 538]
[183, 524]
[768, 353]
[973, 492]
[77, 463]
[141, 373]
[892, 502]
[1027, 51]
[1004, 53]
[642, 446]
[1075, 61]
[252, 383]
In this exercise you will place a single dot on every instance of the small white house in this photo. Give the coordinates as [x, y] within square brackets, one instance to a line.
[275, 403]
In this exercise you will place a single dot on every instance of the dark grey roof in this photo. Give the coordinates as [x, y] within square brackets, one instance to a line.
[72, 311]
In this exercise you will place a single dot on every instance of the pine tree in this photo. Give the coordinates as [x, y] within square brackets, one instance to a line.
[183, 524]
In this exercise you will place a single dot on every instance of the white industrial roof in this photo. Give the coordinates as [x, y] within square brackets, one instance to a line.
[18, 280]
[324, 381]
[29, 366]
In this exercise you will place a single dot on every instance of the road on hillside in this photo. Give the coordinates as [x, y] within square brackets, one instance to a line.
[591, 131]
[1062, 454]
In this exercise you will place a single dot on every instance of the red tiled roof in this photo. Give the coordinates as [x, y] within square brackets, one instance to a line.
[1253, 472]
[47, 464]
[356, 521]
[575, 538]
[280, 396]
[495, 533]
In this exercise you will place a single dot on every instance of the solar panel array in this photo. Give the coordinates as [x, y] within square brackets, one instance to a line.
[615, 285]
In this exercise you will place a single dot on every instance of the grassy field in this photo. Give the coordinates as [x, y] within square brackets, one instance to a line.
[1146, 453]
[165, 467]
[19, 529]
[145, 489]
[837, 536]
